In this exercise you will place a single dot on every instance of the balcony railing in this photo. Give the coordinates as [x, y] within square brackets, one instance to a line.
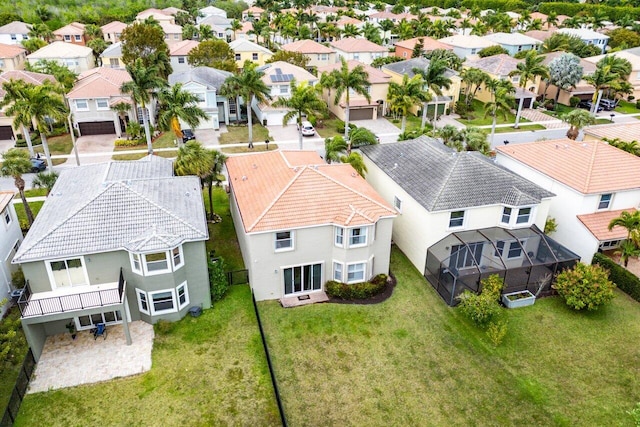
[30, 305]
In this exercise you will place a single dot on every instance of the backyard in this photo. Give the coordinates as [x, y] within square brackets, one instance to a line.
[222, 236]
[412, 359]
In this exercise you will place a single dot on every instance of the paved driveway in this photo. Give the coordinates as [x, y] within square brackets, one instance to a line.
[92, 149]
[383, 128]
[6, 145]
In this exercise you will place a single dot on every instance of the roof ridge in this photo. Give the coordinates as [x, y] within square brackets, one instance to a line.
[446, 180]
[592, 160]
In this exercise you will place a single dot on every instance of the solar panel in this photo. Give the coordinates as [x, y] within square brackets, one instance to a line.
[278, 71]
[273, 79]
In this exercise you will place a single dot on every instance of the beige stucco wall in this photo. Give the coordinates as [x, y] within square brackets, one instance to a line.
[315, 59]
[453, 91]
[378, 91]
[248, 56]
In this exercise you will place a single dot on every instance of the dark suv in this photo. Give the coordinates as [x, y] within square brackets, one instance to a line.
[187, 135]
[587, 105]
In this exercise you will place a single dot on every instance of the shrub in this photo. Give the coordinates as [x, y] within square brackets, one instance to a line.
[483, 308]
[128, 142]
[357, 290]
[585, 286]
[638, 105]
[461, 109]
[496, 332]
[17, 278]
[340, 127]
[630, 98]
[218, 280]
[635, 414]
[491, 51]
[628, 282]
[550, 225]
[362, 136]
[536, 104]
[574, 101]
[549, 104]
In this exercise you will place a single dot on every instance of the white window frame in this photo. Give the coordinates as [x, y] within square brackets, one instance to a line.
[238, 57]
[284, 90]
[334, 275]
[176, 36]
[78, 38]
[8, 218]
[500, 245]
[136, 263]
[140, 293]
[290, 239]
[254, 56]
[180, 255]
[156, 272]
[78, 108]
[183, 286]
[98, 100]
[14, 37]
[67, 38]
[397, 203]
[508, 215]
[338, 238]
[608, 202]
[364, 265]
[520, 247]
[365, 235]
[529, 216]
[181, 60]
[47, 264]
[155, 312]
[464, 215]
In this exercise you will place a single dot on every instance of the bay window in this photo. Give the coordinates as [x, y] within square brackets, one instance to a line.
[358, 236]
[163, 301]
[150, 264]
[356, 272]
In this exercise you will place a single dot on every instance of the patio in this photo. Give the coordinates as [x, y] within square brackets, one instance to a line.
[67, 363]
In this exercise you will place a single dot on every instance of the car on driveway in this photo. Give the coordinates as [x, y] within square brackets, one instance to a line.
[37, 165]
[587, 105]
[187, 135]
[608, 104]
[307, 129]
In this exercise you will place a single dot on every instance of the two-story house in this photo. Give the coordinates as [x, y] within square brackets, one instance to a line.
[246, 50]
[111, 57]
[361, 50]
[633, 56]
[205, 84]
[112, 31]
[75, 57]
[461, 217]
[114, 243]
[588, 36]
[10, 239]
[360, 108]
[594, 182]
[72, 33]
[178, 53]
[254, 13]
[14, 32]
[467, 45]
[405, 48]
[208, 11]
[319, 55]
[293, 239]
[12, 57]
[92, 97]
[278, 77]
[514, 42]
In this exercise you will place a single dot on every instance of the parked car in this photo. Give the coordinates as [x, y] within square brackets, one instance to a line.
[37, 165]
[308, 129]
[587, 105]
[609, 104]
[187, 135]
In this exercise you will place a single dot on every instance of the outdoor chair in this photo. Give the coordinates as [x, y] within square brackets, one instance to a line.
[100, 330]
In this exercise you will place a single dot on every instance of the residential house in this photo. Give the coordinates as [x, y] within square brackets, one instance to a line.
[245, 33]
[631, 55]
[292, 240]
[72, 33]
[319, 55]
[10, 240]
[14, 32]
[499, 67]
[205, 83]
[172, 32]
[173, 11]
[461, 217]
[624, 132]
[12, 57]
[75, 57]
[112, 31]
[254, 13]
[583, 90]
[114, 243]
[278, 77]
[347, 20]
[246, 50]
[361, 50]
[111, 57]
[6, 122]
[178, 53]
[540, 35]
[588, 36]
[220, 26]
[92, 97]
[157, 14]
[514, 42]
[465, 46]
[359, 107]
[594, 182]
[443, 103]
[404, 48]
[208, 11]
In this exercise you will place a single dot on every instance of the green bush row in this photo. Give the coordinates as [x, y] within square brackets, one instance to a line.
[128, 142]
[623, 278]
[357, 290]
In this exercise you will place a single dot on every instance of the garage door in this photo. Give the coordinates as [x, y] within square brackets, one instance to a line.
[97, 128]
[5, 133]
[361, 114]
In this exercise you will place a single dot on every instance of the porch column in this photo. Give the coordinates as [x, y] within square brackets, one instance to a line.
[125, 321]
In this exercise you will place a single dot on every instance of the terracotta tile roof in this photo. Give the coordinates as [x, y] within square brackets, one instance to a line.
[246, 27]
[113, 27]
[626, 132]
[541, 35]
[288, 189]
[428, 43]
[182, 47]
[99, 82]
[498, 65]
[351, 44]
[15, 27]
[375, 75]
[26, 76]
[254, 9]
[598, 224]
[74, 28]
[307, 46]
[5, 198]
[170, 28]
[467, 42]
[348, 20]
[10, 50]
[588, 166]
[61, 49]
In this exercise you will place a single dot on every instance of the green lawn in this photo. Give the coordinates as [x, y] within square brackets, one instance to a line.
[166, 140]
[245, 149]
[33, 192]
[477, 118]
[626, 107]
[57, 145]
[22, 216]
[560, 110]
[328, 129]
[222, 236]
[240, 134]
[10, 368]
[414, 361]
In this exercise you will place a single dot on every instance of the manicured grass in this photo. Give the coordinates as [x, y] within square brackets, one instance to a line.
[57, 145]
[33, 192]
[166, 140]
[209, 370]
[413, 122]
[626, 107]
[603, 121]
[240, 134]
[328, 128]
[477, 118]
[525, 128]
[22, 216]
[222, 236]
[10, 368]
[412, 358]
[245, 149]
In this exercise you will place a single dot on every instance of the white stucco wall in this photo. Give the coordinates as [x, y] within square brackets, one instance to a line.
[9, 235]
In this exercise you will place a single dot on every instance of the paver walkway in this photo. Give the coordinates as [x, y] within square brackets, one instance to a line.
[543, 119]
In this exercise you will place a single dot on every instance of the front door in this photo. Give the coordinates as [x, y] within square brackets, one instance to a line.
[301, 279]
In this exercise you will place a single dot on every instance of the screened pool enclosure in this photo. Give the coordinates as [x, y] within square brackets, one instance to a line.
[524, 258]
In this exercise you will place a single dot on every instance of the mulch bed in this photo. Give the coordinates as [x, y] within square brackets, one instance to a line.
[376, 299]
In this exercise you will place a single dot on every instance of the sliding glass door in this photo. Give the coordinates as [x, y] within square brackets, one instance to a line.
[304, 278]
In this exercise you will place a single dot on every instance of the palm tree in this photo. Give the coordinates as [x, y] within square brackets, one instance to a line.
[142, 86]
[386, 25]
[356, 162]
[451, 137]
[435, 79]
[15, 163]
[631, 222]
[304, 100]
[235, 27]
[577, 119]
[249, 85]
[205, 33]
[531, 68]
[350, 30]
[611, 73]
[627, 249]
[13, 92]
[501, 102]
[334, 148]
[45, 180]
[177, 104]
[406, 95]
[472, 78]
[121, 109]
[344, 80]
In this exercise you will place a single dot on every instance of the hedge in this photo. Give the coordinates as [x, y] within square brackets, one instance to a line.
[129, 142]
[623, 278]
[357, 290]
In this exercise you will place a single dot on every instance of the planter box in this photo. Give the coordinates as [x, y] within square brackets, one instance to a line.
[518, 299]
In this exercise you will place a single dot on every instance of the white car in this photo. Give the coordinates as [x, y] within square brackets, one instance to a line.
[308, 129]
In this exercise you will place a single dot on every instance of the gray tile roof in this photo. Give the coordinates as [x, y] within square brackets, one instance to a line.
[406, 67]
[138, 206]
[207, 76]
[441, 179]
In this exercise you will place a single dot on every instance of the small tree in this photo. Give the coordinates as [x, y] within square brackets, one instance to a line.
[577, 119]
[492, 51]
[45, 180]
[218, 279]
[483, 308]
[585, 286]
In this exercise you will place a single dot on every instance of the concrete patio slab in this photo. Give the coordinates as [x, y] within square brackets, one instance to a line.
[66, 362]
[298, 300]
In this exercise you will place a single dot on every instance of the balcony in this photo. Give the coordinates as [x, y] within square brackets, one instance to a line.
[81, 298]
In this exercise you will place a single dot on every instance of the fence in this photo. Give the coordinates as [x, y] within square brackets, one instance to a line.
[238, 277]
[11, 412]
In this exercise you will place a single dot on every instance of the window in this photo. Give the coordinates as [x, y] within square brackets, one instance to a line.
[404, 54]
[178, 259]
[358, 236]
[71, 62]
[14, 37]
[81, 104]
[102, 103]
[499, 248]
[166, 36]
[337, 271]
[397, 203]
[474, 51]
[67, 272]
[524, 214]
[199, 96]
[67, 38]
[1, 63]
[324, 57]
[156, 262]
[284, 90]
[136, 265]
[506, 215]
[238, 57]
[78, 38]
[355, 272]
[605, 201]
[163, 302]
[254, 56]
[515, 79]
[304, 278]
[176, 36]
[114, 62]
[515, 250]
[356, 56]
[284, 240]
[520, 48]
[183, 295]
[456, 219]
[143, 305]
[610, 244]
[464, 256]
[181, 60]
[339, 236]
[7, 216]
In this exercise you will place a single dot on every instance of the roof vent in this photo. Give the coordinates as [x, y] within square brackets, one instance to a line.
[295, 169]
[353, 174]
[255, 166]
[244, 177]
[584, 144]
[187, 194]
